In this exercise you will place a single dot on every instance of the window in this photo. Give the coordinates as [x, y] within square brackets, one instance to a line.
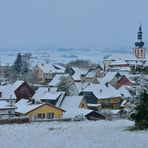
[141, 52]
[41, 116]
[0, 94]
[10, 113]
[50, 115]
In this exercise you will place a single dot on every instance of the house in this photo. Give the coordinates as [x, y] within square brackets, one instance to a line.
[118, 64]
[22, 90]
[124, 92]
[39, 93]
[105, 94]
[124, 81]
[48, 95]
[74, 106]
[46, 72]
[92, 75]
[57, 79]
[67, 80]
[14, 92]
[94, 115]
[6, 109]
[78, 73]
[128, 58]
[7, 94]
[51, 97]
[38, 110]
[91, 100]
[110, 77]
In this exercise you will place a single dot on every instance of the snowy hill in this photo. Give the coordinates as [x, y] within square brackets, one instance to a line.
[85, 134]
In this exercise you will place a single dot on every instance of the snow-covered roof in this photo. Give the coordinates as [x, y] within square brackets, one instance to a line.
[8, 90]
[80, 86]
[24, 106]
[59, 102]
[53, 89]
[6, 105]
[49, 68]
[102, 91]
[55, 81]
[71, 102]
[17, 84]
[71, 113]
[123, 103]
[91, 74]
[78, 72]
[93, 105]
[127, 57]
[110, 111]
[124, 91]
[59, 66]
[135, 63]
[51, 95]
[120, 69]
[39, 93]
[118, 62]
[108, 77]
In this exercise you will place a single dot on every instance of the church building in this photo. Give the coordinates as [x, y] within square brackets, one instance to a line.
[139, 51]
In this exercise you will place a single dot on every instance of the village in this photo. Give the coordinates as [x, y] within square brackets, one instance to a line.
[76, 92]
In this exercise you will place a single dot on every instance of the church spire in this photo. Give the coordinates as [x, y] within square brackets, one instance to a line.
[139, 37]
[139, 51]
[139, 43]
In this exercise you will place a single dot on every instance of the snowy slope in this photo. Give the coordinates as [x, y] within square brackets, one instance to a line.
[85, 134]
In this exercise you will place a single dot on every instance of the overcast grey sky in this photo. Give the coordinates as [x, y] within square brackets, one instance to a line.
[71, 23]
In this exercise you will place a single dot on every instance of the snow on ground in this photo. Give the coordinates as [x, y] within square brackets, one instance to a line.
[56, 55]
[84, 134]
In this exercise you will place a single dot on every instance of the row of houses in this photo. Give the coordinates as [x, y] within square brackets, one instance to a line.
[91, 89]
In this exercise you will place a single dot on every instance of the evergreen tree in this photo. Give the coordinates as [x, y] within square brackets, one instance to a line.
[18, 64]
[140, 116]
[63, 85]
[21, 65]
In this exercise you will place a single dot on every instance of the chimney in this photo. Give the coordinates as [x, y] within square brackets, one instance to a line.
[101, 91]
[32, 101]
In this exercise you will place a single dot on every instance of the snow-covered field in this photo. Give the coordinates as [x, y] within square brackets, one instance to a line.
[60, 55]
[84, 134]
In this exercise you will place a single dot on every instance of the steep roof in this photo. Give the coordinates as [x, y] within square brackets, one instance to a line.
[119, 62]
[17, 84]
[40, 92]
[71, 102]
[49, 68]
[6, 105]
[80, 86]
[51, 95]
[78, 72]
[102, 91]
[108, 77]
[24, 106]
[57, 79]
[74, 112]
[8, 90]
[123, 90]
[129, 57]
[71, 105]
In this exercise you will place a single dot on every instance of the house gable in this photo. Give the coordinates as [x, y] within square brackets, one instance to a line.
[124, 81]
[24, 91]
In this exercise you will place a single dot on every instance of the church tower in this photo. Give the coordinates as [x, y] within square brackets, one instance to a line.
[139, 50]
